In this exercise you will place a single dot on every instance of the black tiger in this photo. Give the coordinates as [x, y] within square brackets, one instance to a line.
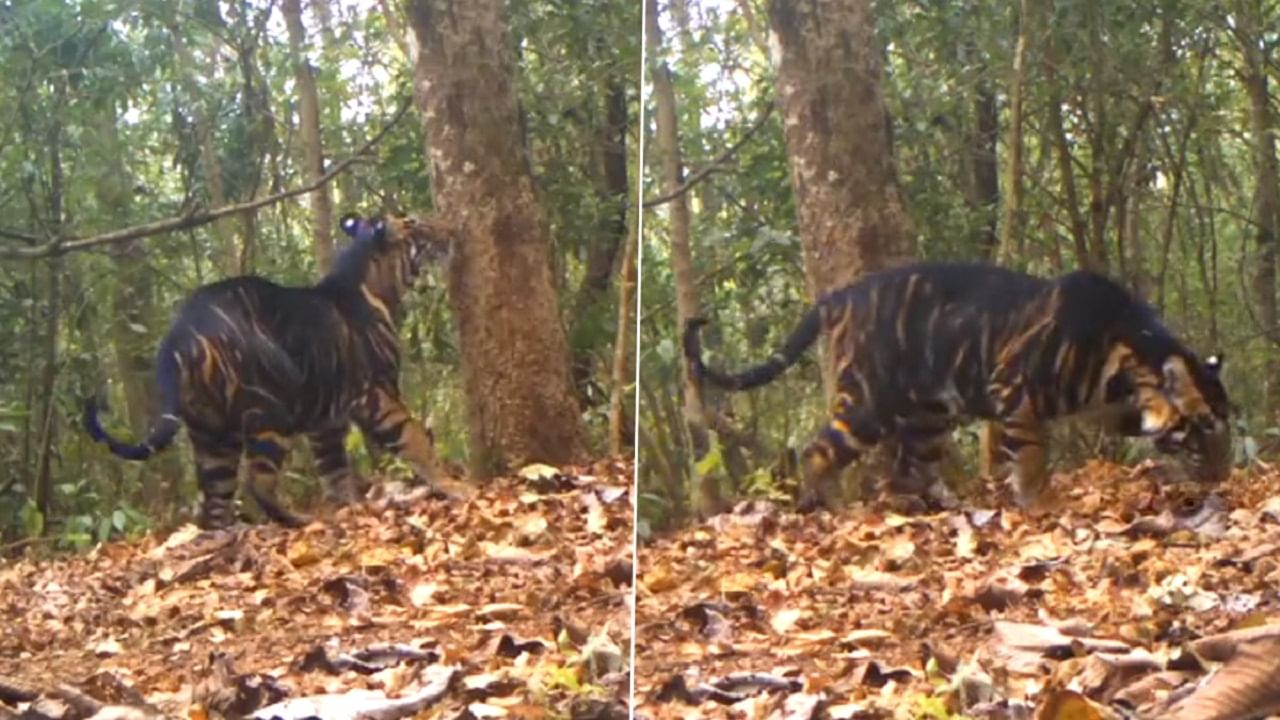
[921, 347]
[248, 364]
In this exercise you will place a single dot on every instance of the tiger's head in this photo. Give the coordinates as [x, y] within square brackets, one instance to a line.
[397, 248]
[1185, 411]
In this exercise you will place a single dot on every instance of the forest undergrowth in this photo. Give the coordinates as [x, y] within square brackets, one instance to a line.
[1131, 598]
[513, 603]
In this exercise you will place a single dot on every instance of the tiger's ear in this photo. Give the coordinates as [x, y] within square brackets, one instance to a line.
[350, 224]
[1213, 363]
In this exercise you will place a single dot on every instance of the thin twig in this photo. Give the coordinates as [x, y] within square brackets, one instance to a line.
[63, 245]
[706, 170]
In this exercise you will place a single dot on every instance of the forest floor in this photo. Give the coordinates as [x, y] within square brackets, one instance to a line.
[1125, 601]
[514, 603]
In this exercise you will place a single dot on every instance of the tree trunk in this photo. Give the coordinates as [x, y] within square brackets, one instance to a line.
[1262, 129]
[515, 367]
[708, 499]
[134, 345]
[312, 143]
[1066, 166]
[43, 491]
[227, 252]
[1011, 215]
[610, 141]
[621, 435]
[851, 212]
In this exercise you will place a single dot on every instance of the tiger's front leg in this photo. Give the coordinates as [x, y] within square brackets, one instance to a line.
[1023, 446]
[390, 424]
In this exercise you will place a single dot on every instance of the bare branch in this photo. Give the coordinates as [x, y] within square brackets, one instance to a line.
[706, 170]
[63, 245]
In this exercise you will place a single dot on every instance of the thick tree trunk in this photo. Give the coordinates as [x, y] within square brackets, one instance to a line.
[852, 216]
[515, 367]
[708, 499]
[312, 143]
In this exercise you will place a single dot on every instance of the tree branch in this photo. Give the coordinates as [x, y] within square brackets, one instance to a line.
[62, 245]
[706, 170]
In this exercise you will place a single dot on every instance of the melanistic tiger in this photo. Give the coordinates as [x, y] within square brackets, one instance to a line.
[248, 364]
[918, 348]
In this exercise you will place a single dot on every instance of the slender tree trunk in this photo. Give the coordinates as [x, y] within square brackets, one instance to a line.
[1011, 214]
[1262, 128]
[620, 427]
[133, 299]
[1011, 225]
[211, 162]
[707, 496]
[49, 372]
[610, 141]
[520, 401]
[1066, 166]
[312, 142]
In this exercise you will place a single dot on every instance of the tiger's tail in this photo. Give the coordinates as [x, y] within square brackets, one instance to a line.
[800, 339]
[168, 378]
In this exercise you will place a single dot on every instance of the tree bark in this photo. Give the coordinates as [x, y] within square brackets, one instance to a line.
[852, 216]
[312, 142]
[1011, 214]
[1262, 127]
[708, 498]
[515, 367]
[620, 428]
[133, 298]
[610, 142]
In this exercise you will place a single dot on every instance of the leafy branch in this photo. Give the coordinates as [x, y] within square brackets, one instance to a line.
[61, 245]
[710, 167]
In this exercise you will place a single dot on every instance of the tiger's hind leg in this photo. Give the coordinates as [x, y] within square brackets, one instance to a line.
[922, 443]
[266, 451]
[343, 485]
[850, 433]
[217, 465]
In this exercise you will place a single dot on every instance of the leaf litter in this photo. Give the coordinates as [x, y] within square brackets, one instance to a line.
[514, 603]
[1128, 599]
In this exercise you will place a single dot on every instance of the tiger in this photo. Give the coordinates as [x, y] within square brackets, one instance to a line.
[248, 364]
[922, 347]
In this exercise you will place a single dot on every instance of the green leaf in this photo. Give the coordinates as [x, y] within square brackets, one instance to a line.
[32, 520]
[712, 462]
[118, 520]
